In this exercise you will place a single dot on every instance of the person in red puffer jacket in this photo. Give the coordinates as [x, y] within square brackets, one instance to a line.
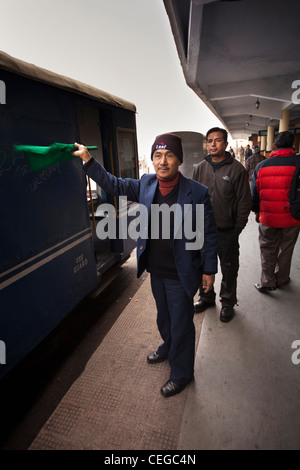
[278, 230]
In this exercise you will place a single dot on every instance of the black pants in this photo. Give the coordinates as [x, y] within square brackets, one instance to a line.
[175, 323]
[228, 253]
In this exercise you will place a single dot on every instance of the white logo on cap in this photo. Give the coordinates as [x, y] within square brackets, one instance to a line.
[160, 146]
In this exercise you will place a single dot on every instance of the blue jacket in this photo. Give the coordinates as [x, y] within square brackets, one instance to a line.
[190, 264]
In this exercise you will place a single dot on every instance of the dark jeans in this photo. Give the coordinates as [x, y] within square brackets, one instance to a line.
[175, 312]
[228, 253]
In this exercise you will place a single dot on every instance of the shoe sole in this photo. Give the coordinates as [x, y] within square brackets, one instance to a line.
[158, 361]
[264, 290]
[226, 320]
[200, 310]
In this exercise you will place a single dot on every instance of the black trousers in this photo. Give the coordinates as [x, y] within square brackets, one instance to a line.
[228, 253]
[175, 312]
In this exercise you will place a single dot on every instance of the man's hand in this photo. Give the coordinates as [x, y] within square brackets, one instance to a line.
[208, 281]
[82, 152]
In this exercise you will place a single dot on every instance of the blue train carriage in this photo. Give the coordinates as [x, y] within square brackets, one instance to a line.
[50, 255]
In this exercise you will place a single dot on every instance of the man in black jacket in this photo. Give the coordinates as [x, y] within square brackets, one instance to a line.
[228, 187]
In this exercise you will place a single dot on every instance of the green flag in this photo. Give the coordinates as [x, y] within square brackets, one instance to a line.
[41, 157]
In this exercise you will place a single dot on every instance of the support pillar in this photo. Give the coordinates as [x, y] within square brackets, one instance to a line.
[284, 121]
[263, 143]
[270, 138]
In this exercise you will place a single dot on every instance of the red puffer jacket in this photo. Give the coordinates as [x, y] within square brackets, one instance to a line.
[270, 188]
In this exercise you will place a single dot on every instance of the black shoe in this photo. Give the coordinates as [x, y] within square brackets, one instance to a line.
[226, 314]
[200, 306]
[155, 358]
[262, 288]
[171, 388]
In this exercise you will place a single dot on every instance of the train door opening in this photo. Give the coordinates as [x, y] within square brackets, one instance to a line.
[96, 128]
[90, 134]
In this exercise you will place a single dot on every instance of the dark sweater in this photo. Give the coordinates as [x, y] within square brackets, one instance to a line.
[160, 252]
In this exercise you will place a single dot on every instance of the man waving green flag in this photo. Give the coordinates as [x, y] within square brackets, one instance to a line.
[41, 157]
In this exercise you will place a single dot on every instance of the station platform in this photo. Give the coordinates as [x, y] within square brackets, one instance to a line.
[246, 392]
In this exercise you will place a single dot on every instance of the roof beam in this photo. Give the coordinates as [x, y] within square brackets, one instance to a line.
[279, 89]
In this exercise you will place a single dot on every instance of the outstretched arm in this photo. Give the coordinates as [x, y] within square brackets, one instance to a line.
[109, 183]
[82, 152]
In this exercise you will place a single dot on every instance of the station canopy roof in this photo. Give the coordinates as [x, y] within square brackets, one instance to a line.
[40, 74]
[242, 58]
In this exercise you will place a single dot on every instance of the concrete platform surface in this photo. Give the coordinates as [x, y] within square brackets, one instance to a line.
[247, 389]
[246, 393]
